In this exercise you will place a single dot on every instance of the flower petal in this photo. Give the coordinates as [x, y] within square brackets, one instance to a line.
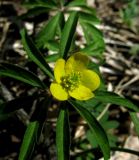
[58, 92]
[59, 69]
[76, 62]
[81, 93]
[90, 79]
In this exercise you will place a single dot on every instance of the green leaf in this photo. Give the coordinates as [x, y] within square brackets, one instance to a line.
[18, 103]
[21, 74]
[76, 3]
[91, 138]
[4, 117]
[52, 58]
[34, 12]
[89, 104]
[40, 114]
[67, 34]
[29, 141]
[82, 5]
[40, 3]
[88, 18]
[51, 45]
[62, 3]
[83, 8]
[135, 120]
[110, 97]
[113, 139]
[35, 54]
[110, 124]
[41, 110]
[48, 31]
[61, 25]
[63, 134]
[96, 129]
[91, 32]
[87, 9]
[95, 48]
[94, 39]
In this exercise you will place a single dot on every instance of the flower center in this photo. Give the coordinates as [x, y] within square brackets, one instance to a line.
[71, 81]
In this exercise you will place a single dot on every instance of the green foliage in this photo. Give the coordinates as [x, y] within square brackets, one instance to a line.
[21, 74]
[16, 104]
[37, 3]
[49, 30]
[134, 49]
[29, 141]
[109, 97]
[67, 34]
[129, 12]
[58, 34]
[94, 38]
[63, 134]
[35, 54]
[96, 129]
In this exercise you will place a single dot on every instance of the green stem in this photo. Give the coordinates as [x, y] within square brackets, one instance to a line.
[103, 112]
[126, 150]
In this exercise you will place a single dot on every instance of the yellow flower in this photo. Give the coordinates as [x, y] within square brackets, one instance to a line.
[74, 79]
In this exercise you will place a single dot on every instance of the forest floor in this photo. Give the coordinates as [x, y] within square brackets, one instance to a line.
[120, 70]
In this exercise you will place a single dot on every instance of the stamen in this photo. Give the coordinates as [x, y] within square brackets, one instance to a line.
[71, 81]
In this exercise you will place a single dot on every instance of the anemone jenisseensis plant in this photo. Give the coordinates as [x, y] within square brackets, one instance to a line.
[74, 80]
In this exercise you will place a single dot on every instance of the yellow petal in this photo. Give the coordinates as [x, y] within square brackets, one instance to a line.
[90, 79]
[81, 93]
[58, 92]
[59, 69]
[76, 62]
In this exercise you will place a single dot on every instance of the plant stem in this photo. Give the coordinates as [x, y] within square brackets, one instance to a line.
[126, 150]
